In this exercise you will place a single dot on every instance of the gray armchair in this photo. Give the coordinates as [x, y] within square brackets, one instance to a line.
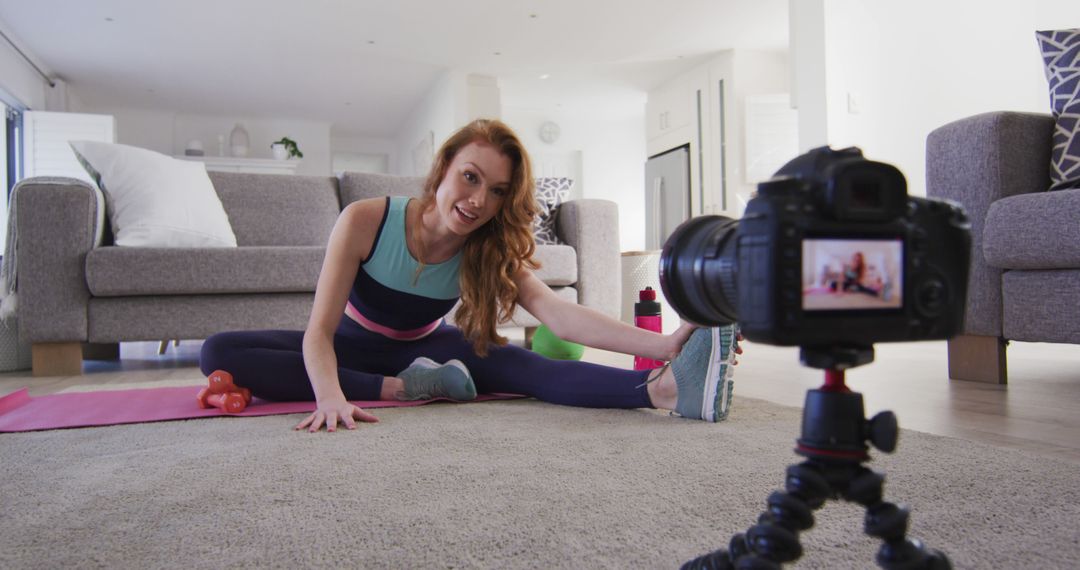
[1025, 263]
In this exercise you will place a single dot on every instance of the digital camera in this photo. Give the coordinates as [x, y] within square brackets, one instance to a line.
[831, 251]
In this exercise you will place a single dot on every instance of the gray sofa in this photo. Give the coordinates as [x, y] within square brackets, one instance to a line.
[80, 296]
[1025, 268]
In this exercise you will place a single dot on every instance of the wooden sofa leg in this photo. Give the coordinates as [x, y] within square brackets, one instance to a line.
[530, 332]
[977, 358]
[56, 358]
[101, 351]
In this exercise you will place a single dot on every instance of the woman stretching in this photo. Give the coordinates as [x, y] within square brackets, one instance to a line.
[394, 268]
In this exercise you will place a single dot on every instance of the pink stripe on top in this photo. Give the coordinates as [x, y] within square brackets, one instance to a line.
[388, 332]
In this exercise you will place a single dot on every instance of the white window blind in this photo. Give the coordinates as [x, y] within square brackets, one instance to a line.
[45, 141]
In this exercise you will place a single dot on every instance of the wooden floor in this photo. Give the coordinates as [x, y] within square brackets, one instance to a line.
[1038, 411]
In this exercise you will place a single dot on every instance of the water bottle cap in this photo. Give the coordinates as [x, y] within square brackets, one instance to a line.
[647, 294]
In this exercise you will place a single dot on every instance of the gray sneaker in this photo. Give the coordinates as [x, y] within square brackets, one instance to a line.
[426, 379]
[704, 375]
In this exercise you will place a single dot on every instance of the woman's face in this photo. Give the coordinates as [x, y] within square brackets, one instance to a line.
[474, 188]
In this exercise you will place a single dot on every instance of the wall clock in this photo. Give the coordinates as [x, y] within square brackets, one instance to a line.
[549, 132]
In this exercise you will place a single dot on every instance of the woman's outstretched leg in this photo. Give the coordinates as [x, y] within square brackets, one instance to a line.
[514, 370]
[271, 365]
[696, 385]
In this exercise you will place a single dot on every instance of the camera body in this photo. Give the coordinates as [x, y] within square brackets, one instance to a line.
[831, 251]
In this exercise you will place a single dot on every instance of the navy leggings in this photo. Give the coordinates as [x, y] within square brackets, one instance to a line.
[271, 365]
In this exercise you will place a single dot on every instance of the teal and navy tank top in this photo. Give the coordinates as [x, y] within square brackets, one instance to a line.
[384, 298]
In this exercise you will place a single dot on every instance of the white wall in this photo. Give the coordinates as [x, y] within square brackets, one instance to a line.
[367, 146]
[20, 87]
[914, 66]
[613, 159]
[455, 99]
[168, 133]
[23, 85]
[312, 137]
[483, 98]
[755, 73]
[720, 172]
[144, 128]
[433, 120]
[807, 47]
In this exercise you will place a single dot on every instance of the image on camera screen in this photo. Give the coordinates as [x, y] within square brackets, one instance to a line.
[852, 275]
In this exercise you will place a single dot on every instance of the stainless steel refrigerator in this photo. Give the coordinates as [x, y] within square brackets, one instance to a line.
[667, 195]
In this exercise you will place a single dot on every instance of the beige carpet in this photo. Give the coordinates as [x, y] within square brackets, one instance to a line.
[517, 484]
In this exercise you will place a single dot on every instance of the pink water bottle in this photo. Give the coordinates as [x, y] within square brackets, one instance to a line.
[647, 316]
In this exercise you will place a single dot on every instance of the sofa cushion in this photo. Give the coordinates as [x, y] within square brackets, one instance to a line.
[558, 264]
[155, 200]
[1061, 58]
[120, 271]
[271, 209]
[362, 185]
[1034, 231]
[112, 319]
[550, 192]
[1040, 306]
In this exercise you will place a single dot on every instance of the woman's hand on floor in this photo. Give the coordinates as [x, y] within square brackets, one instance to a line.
[330, 412]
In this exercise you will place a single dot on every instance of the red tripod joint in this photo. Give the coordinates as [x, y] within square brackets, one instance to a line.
[834, 381]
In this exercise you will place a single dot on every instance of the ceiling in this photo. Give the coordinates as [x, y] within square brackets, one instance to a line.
[363, 65]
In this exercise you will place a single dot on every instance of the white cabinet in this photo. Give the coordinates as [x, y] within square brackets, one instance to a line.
[669, 109]
[249, 165]
[679, 114]
[704, 109]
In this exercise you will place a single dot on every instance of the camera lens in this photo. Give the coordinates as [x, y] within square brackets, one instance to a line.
[698, 270]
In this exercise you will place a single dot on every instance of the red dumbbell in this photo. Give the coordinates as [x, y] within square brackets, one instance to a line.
[230, 402]
[221, 382]
[223, 394]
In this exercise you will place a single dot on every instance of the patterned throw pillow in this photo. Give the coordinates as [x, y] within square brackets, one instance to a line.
[550, 192]
[1061, 56]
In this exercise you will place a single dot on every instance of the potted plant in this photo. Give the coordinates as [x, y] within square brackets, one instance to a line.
[286, 148]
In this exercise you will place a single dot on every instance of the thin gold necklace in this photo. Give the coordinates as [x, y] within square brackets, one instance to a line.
[418, 235]
[418, 241]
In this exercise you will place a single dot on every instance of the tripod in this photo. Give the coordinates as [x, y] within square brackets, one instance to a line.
[834, 435]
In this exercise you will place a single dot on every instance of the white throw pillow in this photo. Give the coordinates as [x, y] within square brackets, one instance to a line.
[155, 200]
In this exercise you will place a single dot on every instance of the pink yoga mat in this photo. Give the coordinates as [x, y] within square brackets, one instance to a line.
[20, 412]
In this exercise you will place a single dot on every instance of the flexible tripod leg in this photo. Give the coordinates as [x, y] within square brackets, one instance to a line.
[889, 522]
[834, 437]
[774, 541]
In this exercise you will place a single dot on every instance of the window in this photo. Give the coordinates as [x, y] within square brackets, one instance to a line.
[12, 170]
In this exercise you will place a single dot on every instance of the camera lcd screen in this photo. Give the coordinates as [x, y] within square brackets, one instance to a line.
[852, 274]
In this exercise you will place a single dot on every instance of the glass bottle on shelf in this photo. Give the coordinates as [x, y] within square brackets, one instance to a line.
[239, 141]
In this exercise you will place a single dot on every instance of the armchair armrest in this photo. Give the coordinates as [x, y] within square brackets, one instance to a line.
[976, 161]
[57, 224]
[591, 227]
